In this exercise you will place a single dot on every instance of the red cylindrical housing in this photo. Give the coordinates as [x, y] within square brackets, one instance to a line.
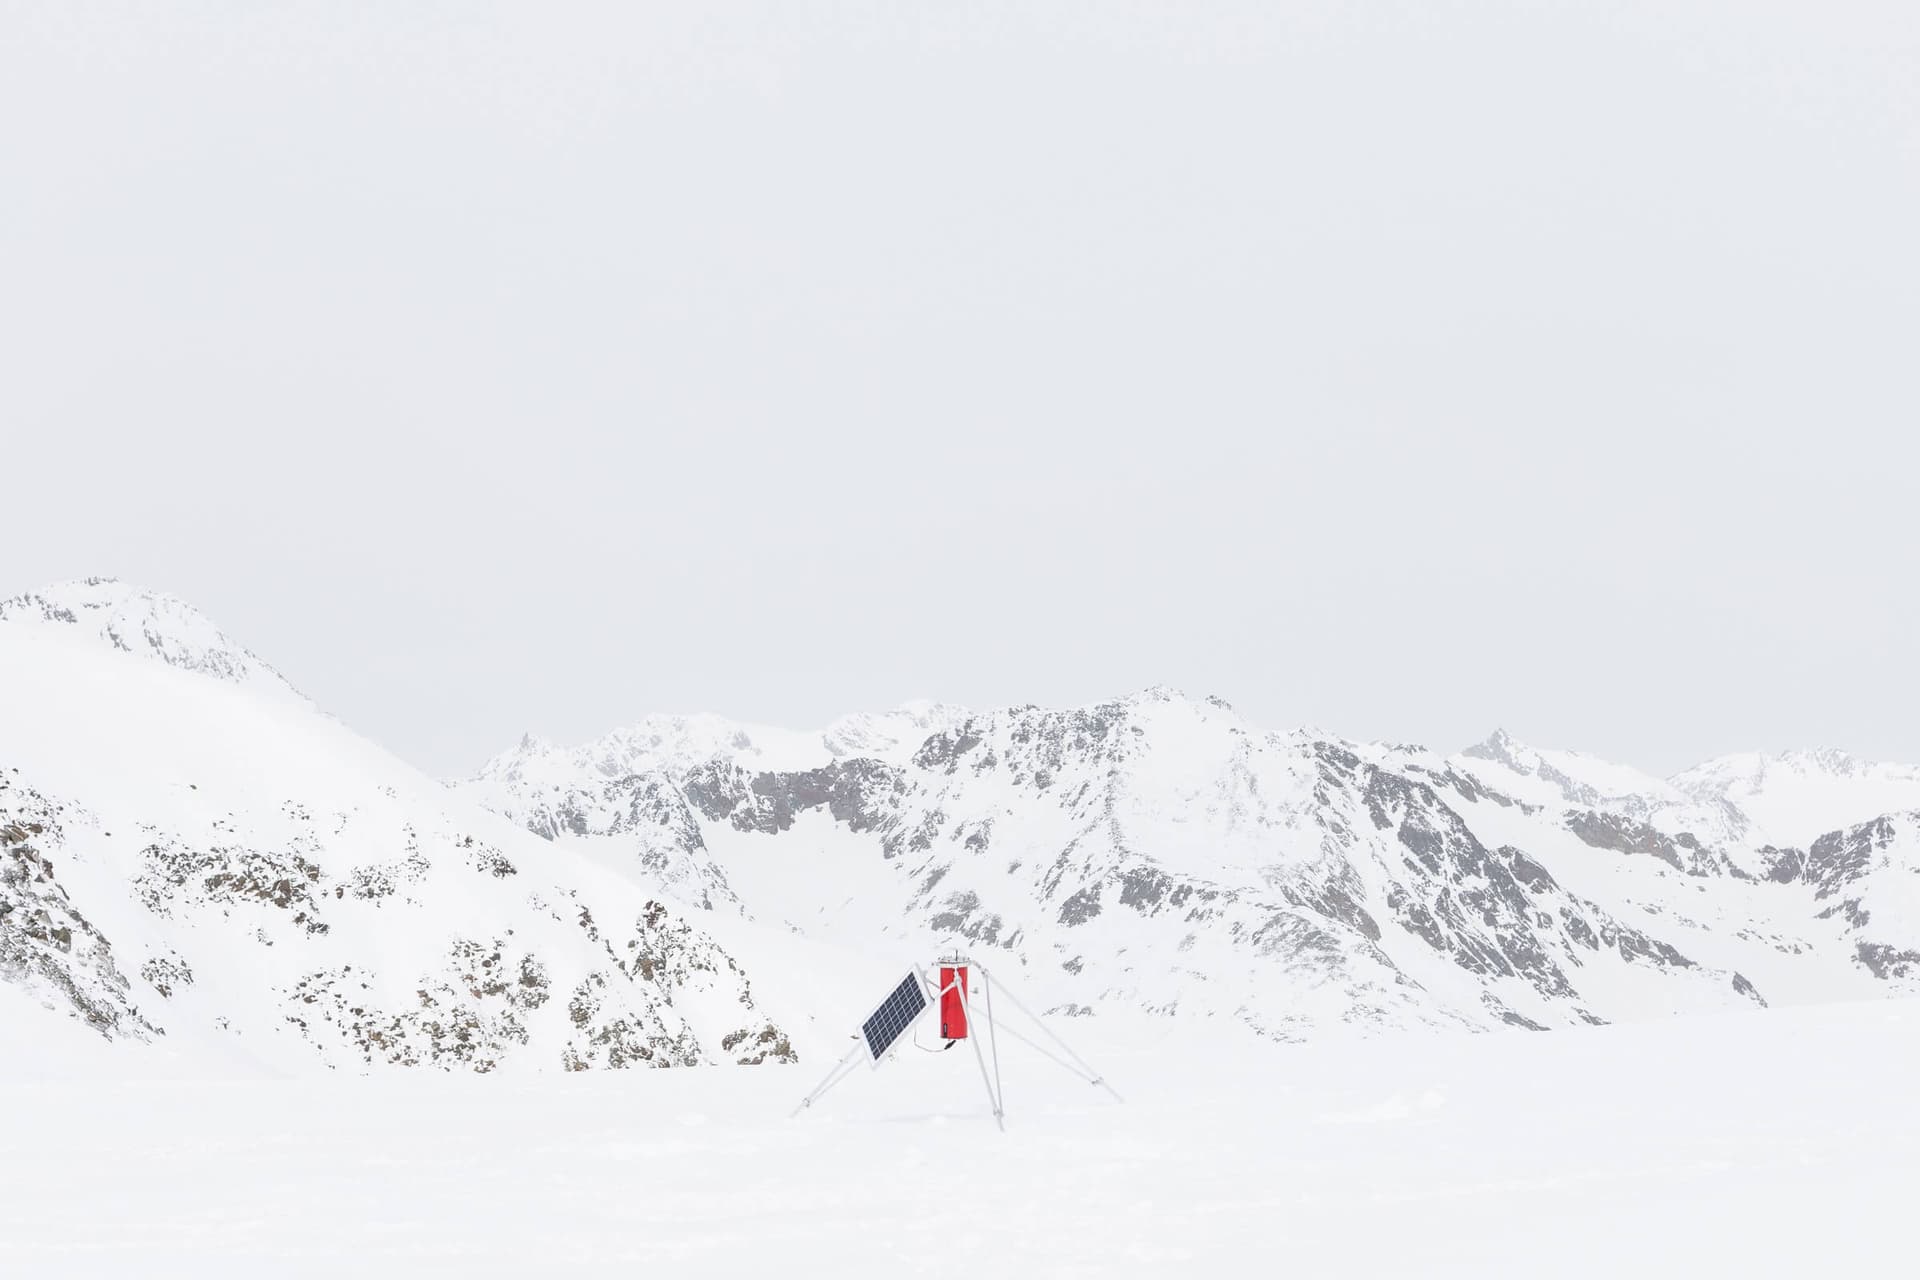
[953, 1001]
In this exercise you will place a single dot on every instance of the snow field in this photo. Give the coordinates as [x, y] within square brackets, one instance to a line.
[1773, 1143]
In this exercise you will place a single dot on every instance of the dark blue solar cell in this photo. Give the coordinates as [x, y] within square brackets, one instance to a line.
[895, 1014]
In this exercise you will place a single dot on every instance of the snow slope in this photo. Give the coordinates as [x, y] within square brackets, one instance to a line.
[1158, 853]
[194, 858]
[106, 613]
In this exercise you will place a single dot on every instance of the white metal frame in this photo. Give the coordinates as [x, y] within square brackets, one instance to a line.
[843, 1068]
[996, 1096]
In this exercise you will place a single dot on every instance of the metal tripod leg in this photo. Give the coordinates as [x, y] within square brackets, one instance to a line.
[993, 1030]
[991, 1081]
[841, 1070]
[1090, 1075]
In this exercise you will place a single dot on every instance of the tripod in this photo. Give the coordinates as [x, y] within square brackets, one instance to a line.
[894, 1019]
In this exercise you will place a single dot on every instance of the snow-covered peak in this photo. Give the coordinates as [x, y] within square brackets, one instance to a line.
[892, 736]
[1149, 768]
[1563, 777]
[1499, 745]
[1751, 770]
[150, 624]
[1793, 797]
[673, 745]
[1158, 719]
[668, 744]
[676, 745]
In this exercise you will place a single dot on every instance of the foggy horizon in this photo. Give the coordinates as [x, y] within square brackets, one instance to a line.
[751, 722]
[1407, 373]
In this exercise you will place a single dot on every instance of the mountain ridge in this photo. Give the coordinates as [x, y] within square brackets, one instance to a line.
[293, 889]
[195, 861]
[1281, 836]
[133, 619]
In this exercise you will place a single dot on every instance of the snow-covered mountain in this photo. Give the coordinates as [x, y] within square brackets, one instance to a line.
[1795, 797]
[107, 613]
[675, 746]
[1158, 852]
[191, 854]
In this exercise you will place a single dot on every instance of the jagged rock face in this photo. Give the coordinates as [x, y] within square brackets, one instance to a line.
[1356, 867]
[1862, 878]
[863, 794]
[46, 945]
[639, 789]
[1157, 853]
[1842, 858]
[1682, 852]
[483, 1002]
[1033, 746]
[646, 814]
[316, 932]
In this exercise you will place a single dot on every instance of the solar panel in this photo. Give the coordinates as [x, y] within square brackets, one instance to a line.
[895, 1014]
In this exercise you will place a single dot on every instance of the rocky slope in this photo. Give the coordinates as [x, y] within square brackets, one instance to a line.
[1159, 853]
[192, 855]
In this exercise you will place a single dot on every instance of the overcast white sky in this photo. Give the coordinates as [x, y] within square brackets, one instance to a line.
[1402, 368]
